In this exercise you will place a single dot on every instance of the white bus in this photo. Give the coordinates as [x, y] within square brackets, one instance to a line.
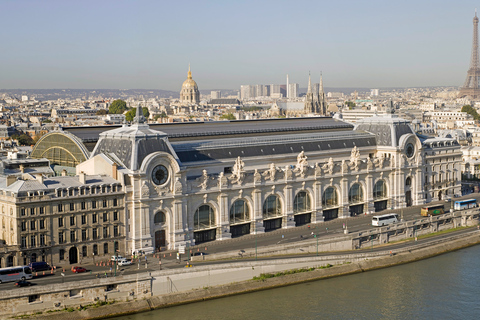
[385, 219]
[15, 274]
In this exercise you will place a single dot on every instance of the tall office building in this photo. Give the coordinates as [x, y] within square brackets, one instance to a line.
[288, 90]
[292, 91]
[215, 95]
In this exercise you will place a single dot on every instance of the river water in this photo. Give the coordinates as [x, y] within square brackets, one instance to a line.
[443, 287]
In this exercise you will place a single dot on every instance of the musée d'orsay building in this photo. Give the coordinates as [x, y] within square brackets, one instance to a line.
[142, 187]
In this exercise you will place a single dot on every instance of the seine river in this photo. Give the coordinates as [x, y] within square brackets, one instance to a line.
[444, 287]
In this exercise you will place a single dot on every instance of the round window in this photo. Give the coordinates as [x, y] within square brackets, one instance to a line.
[410, 150]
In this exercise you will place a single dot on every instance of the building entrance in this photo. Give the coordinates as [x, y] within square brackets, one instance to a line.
[73, 255]
[330, 214]
[160, 239]
[205, 235]
[240, 230]
[272, 224]
[301, 219]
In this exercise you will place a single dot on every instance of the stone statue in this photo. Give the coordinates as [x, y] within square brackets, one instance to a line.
[318, 169]
[178, 187]
[270, 173]
[238, 172]
[145, 189]
[203, 180]
[257, 177]
[344, 166]
[369, 164]
[222, 180]
[288, 172]
[379, 161]
[355, 158]
[329, 166]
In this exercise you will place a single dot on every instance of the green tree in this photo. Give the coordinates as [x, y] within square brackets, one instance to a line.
[133, 112]
[468, 109]
[47, 121]
[227, 116]
[24, 139]
[118, 106]
[350, 104]
[101, 112]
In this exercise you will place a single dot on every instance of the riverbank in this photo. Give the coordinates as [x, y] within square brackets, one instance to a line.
[214, 292]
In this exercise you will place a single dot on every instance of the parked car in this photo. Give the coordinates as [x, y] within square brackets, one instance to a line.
[23, 283]
[39, 266]
[118, 258]
[78, 269]
[124, 262]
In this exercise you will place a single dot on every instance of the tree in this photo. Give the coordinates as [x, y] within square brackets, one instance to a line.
[228, 116]
[350, 104]
[133, 112]
[101, 112]
[468, 109]
[118, 107]
[24, 139]
[47, 121]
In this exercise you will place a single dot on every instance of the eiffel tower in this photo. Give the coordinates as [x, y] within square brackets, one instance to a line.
[470, 88]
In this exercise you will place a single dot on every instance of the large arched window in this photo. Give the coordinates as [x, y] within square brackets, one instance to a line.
[204, 218]
[159, 217]
[355, 195]
[380, 190]
[330, 197]
[408, 182]
[272, 207]
[301, 203]
[239, 212]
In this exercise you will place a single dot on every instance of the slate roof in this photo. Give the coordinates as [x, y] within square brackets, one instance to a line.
[387, 129]
[231, 148]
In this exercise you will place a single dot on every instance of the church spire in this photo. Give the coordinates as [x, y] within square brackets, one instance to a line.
[320, 88]
[309, 90]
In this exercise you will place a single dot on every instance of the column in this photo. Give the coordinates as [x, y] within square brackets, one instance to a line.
[223, 230]
[317, 212]
[257, 226]
[288, 220]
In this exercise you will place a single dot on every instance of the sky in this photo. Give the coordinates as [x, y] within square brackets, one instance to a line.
[116, 44]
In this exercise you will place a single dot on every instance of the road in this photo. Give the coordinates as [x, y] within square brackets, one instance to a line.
[282, 236]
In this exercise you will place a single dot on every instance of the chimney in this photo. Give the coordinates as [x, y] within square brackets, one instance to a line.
[114, 171]
[10, 180]
[64, 173]
[82, 177]
[40, 178]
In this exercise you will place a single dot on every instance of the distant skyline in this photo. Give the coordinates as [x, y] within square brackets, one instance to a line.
[149, 44]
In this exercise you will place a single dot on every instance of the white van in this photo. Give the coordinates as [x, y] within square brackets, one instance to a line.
[385, 219]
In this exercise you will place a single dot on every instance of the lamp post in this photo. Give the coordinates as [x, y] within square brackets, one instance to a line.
[116, 261]
[371, 239]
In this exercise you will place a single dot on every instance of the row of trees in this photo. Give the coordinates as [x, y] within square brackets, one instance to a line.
[119, 107]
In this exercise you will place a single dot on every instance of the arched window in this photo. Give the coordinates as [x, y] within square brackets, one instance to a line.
[239, 212]
[380, 190]
[159, 217]
[204, 218]
[301, 203]
[330, 197]
[355, 195]
[408, 181]
[272, 207]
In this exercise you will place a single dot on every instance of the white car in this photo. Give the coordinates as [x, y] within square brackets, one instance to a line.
[124, 262]
[118, 258]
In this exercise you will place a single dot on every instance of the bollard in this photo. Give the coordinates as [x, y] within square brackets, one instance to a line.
[170, 254]
[51, 271]
[43, 272]
[164, 255]
[36, 274]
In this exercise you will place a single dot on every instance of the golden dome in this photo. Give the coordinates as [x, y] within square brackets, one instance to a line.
[189, 83]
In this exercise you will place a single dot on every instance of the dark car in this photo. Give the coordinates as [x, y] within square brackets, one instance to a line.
[78, 269]
[23, 283]
[39, 266]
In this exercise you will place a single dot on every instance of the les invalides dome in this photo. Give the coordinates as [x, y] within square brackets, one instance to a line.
[189, 93]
